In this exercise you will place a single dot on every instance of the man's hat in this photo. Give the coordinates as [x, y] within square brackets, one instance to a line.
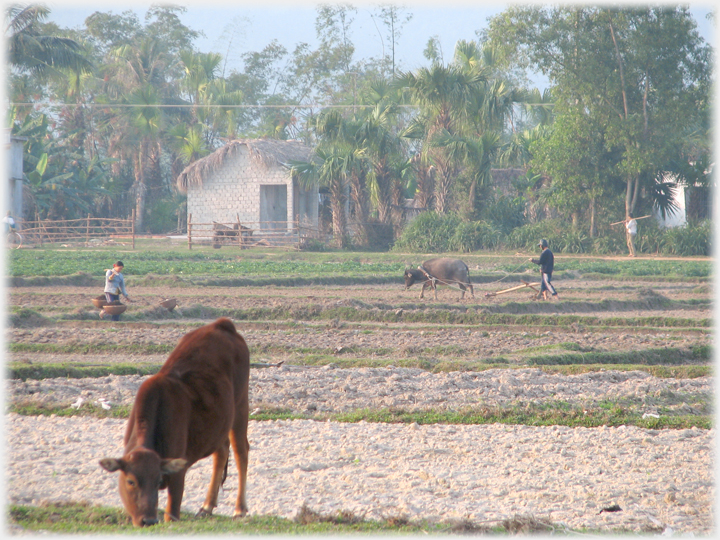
[543, 243]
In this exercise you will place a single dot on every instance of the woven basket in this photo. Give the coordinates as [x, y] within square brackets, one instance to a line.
[116, 309]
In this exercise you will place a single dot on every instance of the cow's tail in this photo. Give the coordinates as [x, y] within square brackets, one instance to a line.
[225, 472]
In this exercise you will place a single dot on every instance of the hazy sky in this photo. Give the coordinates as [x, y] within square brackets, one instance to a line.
[254, 27]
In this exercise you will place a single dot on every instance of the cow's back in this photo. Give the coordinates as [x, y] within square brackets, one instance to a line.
[191, 403]
[447, 268]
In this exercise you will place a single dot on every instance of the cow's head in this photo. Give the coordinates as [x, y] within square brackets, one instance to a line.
[409, 279]
[142, 474]
[413, 276]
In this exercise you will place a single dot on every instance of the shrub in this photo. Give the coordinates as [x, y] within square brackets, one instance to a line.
[474, 235]
[573, 241]
[161, 217]
[312, 244]
[429, 232]
[528, 236]
[609, 243]
[380, 235]
[691, 239]
[505, 213]
[651, 238]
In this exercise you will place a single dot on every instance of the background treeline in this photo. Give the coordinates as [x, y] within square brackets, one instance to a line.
[127, 103]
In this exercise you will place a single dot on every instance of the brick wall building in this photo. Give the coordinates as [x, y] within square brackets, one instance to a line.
[249, 179]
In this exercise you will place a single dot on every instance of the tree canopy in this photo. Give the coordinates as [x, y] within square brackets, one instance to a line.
[125, 102]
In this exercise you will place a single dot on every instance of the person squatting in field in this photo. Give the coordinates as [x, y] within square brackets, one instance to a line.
[546, 262]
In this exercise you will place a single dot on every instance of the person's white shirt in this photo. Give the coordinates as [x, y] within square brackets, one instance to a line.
[9, 220]
[631, 226]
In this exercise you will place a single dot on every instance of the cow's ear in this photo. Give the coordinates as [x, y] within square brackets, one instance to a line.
[169, 466]
[112, 464]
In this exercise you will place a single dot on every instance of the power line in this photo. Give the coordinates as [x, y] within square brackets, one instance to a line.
[166, 106]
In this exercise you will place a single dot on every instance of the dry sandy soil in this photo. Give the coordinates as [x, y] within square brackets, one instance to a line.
[663, 480]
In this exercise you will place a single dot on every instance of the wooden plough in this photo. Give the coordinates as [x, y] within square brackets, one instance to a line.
[517, 287]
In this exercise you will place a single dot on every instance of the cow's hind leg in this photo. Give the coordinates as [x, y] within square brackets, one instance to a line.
[220, 461]
[241, 448]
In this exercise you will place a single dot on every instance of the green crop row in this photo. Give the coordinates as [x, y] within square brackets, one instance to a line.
[54, 262]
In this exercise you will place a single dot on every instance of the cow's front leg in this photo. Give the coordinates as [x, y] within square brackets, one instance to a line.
[422, 291]
[220, 461]
[176, 486]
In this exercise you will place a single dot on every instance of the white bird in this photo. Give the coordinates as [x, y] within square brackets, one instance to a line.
[77, 404]
[105, 404]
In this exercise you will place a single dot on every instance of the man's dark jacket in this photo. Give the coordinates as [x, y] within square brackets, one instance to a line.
[546, 261]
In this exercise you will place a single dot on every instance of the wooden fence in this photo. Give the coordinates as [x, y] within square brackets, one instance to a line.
[249, 234]
[51, 231]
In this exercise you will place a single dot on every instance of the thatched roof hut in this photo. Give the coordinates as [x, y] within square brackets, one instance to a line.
[267, 153]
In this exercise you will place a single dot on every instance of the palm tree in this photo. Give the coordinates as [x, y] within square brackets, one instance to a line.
[443, 94]
[383, 149]
[32, 52]
[332, 167]
[145, 132]
[213, 103]
[135, 78]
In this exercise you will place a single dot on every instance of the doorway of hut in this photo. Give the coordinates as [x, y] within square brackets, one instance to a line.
[273, 207]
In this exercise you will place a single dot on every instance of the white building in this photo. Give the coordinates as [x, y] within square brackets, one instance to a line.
[249, 179]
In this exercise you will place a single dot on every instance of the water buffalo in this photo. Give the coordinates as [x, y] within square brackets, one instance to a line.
[195, 406]
[441, 271]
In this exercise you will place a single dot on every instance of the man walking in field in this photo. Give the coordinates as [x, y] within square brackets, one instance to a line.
[546, 262]
[631, 232]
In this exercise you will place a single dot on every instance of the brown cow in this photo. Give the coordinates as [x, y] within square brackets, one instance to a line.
[195, 406]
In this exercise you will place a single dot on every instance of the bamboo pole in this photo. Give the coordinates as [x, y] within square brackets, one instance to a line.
[189, 231]
[37, 217]
[132, 228]
[239, 230]
[623, 221]
[87, 231]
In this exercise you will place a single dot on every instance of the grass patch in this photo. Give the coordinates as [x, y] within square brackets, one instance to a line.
[78, 347]
[19, 370]
[529, 315]
[86, 409]
[664, 372]
[74, 371]
[530, 414]
[82, 517]
[551, 414]
[26, 318]
[663, 356]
